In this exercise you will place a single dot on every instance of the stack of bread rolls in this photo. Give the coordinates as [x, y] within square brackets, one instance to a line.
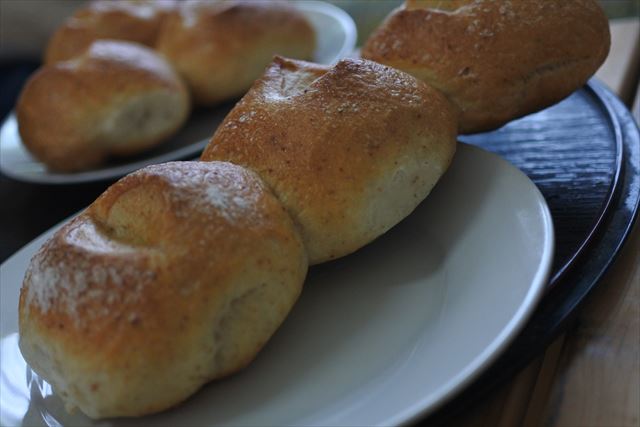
[179, 273]
[108, 87]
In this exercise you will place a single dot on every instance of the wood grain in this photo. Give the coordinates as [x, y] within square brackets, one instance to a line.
[573, 173]
[569, 152]
[591, 375]
[598, 382]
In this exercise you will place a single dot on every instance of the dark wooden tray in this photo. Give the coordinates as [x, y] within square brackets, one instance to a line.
[573, 152]
[584, 155]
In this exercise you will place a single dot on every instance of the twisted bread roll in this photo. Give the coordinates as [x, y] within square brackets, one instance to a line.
[349, 150]
[118, 98]
[132, 20]
[176, 275]
[220, 48]
[495, 60]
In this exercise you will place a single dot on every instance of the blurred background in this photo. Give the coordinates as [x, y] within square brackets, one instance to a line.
[25, 25]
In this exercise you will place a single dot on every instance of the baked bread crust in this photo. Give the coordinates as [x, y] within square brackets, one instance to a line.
[495, 60]
[118, 98]
[136, 21]
[349, 150]
[220, 48]
[178, 274]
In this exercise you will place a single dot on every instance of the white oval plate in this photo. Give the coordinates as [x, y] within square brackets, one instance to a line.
[336, 38]
[379, 337]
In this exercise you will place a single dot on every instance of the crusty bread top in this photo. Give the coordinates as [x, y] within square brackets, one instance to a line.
[235, 38]
[161, 241]
[108, 71]
[126, 61]
[496, 60]
[341, 112]
[67, 111]
[132, 20]
[322, 137]
[233, 15]
[142, 9]
[220, 28]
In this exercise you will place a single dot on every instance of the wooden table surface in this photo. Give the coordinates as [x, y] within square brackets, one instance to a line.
[590, 376]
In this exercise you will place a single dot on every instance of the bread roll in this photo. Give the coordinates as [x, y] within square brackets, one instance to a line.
[349, 150]
[496, 60]
[131, 20]
[118, 98]
[220, 48]
[176, 275]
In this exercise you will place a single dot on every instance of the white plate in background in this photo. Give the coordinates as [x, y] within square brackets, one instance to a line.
[336, 38]
[379, 337]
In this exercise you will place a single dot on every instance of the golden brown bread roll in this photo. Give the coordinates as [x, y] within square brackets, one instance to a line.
[118, 98]
[176, 275]
[220, 48]
[131, 20]
[495, 60]
[349, 150]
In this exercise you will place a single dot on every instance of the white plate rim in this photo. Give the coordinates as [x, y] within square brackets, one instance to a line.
[341, 17]
[500, 342]
[95, 175]
[485, 359]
